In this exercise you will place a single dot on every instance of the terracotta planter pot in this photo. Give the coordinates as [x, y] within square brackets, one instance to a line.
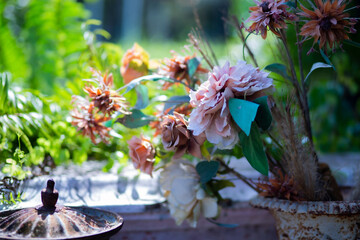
[313, 220]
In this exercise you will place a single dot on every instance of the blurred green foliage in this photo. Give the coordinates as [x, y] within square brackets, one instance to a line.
[46, 50]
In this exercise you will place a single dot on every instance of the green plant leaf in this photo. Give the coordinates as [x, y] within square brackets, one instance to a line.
[279, 69]
[103, 33]
[142, 97]
[217, 185]
[135, 119]
[290, 4]
[207, 170]
[225, 225]
[175, 101]
[352, 43]
[327, 60]
[4, 84]
[263, 117]
[253, 150]
[243, 112]
[137, 81]
[192, 64]
[316, 66]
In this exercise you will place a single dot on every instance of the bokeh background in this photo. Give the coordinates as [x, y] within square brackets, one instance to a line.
[47, 47]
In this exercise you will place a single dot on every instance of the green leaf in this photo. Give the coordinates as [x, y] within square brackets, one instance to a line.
[175, 101]
[103, 33]
[217, 185]
[253, 150]
[142, 97]
[279, 69]
[205, 152]
[93, 22]
[235, 152]
[290, 4]
[135, 119]
[243, 112]
[137, 81]
[226, 225]
[263, 117]
[327, 60]
[192, 66]
[4, 84]
[316, 66]
[352, 43]
[207, 170]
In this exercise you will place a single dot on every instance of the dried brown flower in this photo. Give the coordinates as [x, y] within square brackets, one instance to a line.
[176, 137]
[269, 14]
[177, 68]
[88, 123]
[184, 109]
[281, 187]
[104, 98]
[328, 23]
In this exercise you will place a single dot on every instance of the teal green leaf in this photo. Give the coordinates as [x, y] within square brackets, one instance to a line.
[327, 60]
[226, 225]
[243, 112]
[192, 65]
[135, 119]
[253, 150]
[142, 97]
[279, 69]
[316, 66]
[131, 85]
[352, 43]
[207, 170]
[263, 117]
[175, 101]
[290, 4]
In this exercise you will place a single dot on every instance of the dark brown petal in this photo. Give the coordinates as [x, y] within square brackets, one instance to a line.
[194, 148]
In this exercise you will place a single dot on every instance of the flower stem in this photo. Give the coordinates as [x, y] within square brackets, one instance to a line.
[242, 37]
[300, 93]
[238, 175]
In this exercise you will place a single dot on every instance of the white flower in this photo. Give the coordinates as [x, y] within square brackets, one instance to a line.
[186, 199]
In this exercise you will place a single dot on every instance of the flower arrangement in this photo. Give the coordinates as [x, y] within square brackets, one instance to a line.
[224, 110]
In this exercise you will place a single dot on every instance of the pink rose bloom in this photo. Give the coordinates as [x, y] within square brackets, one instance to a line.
[142, 154]
[211, 114]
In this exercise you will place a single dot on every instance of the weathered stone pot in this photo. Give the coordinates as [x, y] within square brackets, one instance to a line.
[313, 220]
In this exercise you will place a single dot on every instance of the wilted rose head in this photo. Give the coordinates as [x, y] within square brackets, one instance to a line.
[211, 114]
[270, 14]
[176, 137]
[104, 98]
[142, 154]
[134, 64]
[328, 23]
[87, 122]
[187, 200]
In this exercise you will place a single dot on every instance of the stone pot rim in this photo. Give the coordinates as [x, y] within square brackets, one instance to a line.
[308, 207]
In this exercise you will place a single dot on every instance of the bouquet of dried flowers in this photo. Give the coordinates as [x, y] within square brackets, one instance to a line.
[198, 116]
